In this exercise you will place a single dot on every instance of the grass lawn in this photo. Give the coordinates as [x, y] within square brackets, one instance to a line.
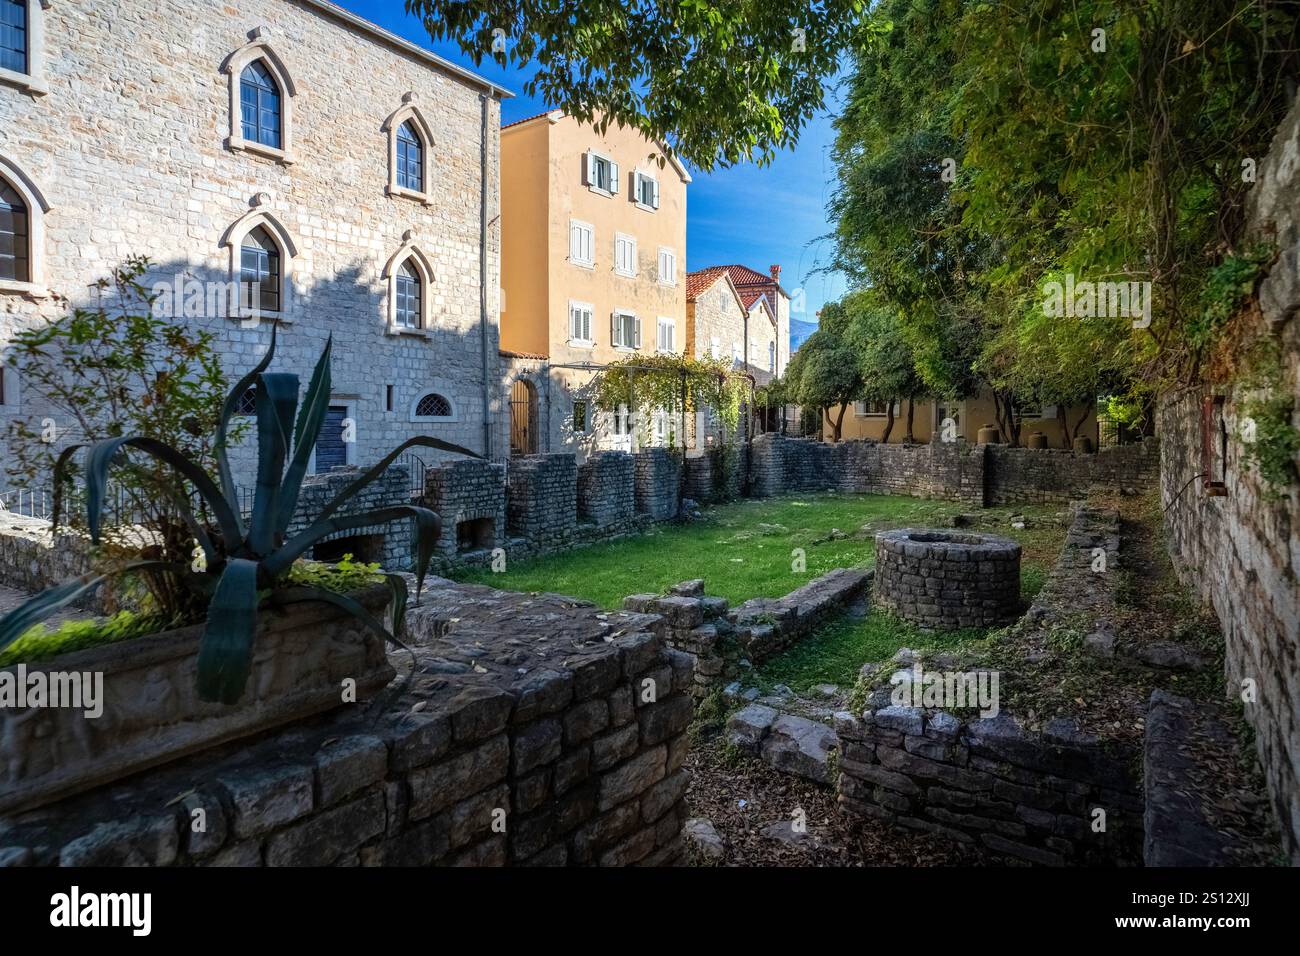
[744, 549]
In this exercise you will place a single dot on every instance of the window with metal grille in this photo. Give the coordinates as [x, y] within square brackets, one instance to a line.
[407, 314]
[247, 402]
[259, 99]
[410, 158]
[259, 272]
[13, 35]
[15, 241]
[433, 405]
[579, 416]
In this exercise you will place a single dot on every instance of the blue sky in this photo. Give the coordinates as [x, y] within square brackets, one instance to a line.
[758, 217]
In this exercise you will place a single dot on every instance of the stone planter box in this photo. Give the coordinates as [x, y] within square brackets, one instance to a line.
[151, 713]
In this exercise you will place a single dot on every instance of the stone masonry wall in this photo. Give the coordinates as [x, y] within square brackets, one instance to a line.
[390, 488]
[466, 490]
[657, 473]
[570, 751]
[606, 490]
[174, 188]
[1241, 551]
[542, 500]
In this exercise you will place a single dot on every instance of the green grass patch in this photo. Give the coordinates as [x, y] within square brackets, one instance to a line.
[745, 549]
[835, 653]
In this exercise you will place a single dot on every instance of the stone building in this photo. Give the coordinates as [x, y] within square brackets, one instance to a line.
[593, 260]
[277, 160]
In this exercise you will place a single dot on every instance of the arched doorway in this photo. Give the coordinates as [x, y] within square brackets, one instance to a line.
[523, 418]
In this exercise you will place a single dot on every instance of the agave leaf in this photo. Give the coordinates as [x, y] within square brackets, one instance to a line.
[427, 524]
[40, 606]
[397, 584]
[277, 399]
[60, 464]
[101, 456]
[422, 441]
[226, 651]
[227, 412]
[310, 419]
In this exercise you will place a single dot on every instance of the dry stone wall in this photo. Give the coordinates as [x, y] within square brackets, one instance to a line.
[566, 747]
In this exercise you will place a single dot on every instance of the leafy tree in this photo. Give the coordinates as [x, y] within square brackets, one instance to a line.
[718, 82]
[885, 359]
[825, 373]
[116, 370]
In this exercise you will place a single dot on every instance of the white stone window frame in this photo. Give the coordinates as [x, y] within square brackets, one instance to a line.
[234, 239]
[33, 81]
[408, 111]
[860, 410]
[37, 206]
[638, 177]
[437, 388]
[616, 326]
[580, 225]
[576, 341]
[589, 160]
[623, 238]
[409, 250]
[669, 323]
[259, 48]
[671, 255]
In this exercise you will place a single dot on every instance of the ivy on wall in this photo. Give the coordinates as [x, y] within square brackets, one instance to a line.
[673, 384]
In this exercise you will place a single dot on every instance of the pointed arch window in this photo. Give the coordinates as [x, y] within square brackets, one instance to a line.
[410, 144]
[407, 311]
[15, 236]
[259, 272]
[410, 158]
[259, 102]
[262, 94]
[410, 290]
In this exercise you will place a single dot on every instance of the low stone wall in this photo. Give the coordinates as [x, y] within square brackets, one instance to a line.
[946, 580]
[534, 730]
[542, 500]
[467, 490]
[31, 559]
[1053, 475]
[393, 541]
[657, 474]
[988, 781]
[716, 640]
[606, 493]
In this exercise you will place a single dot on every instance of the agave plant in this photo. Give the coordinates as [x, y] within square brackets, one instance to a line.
[245, 561]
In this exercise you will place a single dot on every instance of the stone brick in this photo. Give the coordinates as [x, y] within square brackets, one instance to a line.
[660, 798]
[345, 766]
[614, 746]
[439, 786]
[324, 837]
[584, 721]
[264, 799]
[664, 719]
[417, 740]
[141, 841]
[632, 777]
[536, 744]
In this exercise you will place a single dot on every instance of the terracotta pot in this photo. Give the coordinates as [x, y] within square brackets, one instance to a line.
[151, 713]
[989, 435]
[1037, 440]
[1083, 445]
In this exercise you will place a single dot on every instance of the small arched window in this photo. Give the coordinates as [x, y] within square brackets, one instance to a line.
[259, 272]
[433, 405]
[15, 236]
[259, 99]
[407, 289]
[410, 158]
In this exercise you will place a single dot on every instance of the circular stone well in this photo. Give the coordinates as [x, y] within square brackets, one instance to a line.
[947, 580]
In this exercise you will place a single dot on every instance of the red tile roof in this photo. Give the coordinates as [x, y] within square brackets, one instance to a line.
[526, 119]
[697, 283]
[749, 282]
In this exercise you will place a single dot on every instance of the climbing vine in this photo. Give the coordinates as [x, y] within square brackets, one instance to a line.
[649, 383]
[1270, 441]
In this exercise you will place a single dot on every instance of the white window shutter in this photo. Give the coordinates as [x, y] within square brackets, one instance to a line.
[615, 333]
[655, 189]
[586, 169]
[613, 177]
[636, 324]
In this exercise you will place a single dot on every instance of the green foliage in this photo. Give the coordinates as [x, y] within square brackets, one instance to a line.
[1270, 405]
[40, 643]
[660, 382]
[241, 565]
[721, 83]
[107, 372]
[983, 153]
[344, 577]
[1227, 287]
